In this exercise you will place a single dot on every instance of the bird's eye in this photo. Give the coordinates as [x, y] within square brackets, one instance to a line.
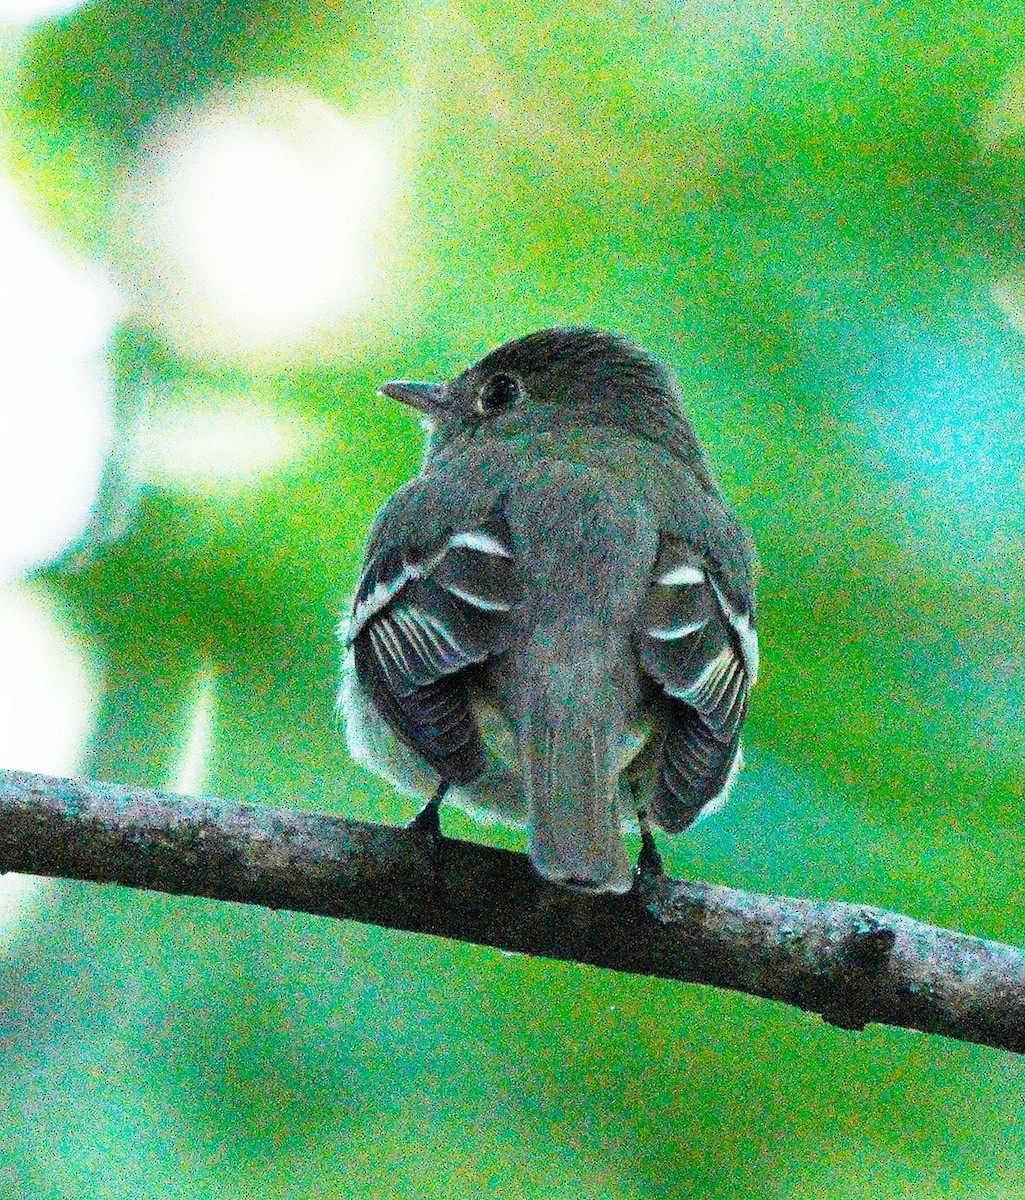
[499, 392]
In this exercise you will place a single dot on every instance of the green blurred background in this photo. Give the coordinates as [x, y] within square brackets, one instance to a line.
[221, 226]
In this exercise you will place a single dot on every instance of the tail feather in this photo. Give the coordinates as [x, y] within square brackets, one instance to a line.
[572, 795]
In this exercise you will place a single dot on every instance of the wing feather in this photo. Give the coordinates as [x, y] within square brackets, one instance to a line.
[703, 654]
[420, 619]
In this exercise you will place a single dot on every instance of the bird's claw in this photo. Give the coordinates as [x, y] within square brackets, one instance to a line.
[427, 823]
[649, 861]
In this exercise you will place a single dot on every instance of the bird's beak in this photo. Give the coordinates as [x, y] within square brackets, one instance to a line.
[429, 398]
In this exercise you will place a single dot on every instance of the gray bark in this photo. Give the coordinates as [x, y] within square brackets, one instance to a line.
[850, 963]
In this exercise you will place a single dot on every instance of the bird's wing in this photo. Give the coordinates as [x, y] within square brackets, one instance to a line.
[422, 615]
[703, 654]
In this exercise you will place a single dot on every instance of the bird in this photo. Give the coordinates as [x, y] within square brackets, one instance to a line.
[554, 625]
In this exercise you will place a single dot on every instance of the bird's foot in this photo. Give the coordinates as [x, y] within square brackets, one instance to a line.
[649, 861]
[427, 824]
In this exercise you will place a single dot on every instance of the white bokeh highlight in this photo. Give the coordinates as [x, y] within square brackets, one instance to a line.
[209, 441]
[255, 224]
[45, 709]
[190, 777]
[56, 317]
[27, 12]
[1002, 115]
[1001, 120]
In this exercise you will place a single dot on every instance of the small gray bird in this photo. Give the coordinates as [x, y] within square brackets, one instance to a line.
[555, 621]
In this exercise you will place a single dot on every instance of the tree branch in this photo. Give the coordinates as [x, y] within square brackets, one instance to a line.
[850, 963]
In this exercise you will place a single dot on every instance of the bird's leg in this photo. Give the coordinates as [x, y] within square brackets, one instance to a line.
[649, 861]
[427, 822]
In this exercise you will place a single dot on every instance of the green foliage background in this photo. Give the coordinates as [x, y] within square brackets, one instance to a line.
[794, 206]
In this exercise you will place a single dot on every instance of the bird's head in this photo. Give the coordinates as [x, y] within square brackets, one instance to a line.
[575, 377]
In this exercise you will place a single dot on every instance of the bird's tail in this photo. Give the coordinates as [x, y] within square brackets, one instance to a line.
[568, 733]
